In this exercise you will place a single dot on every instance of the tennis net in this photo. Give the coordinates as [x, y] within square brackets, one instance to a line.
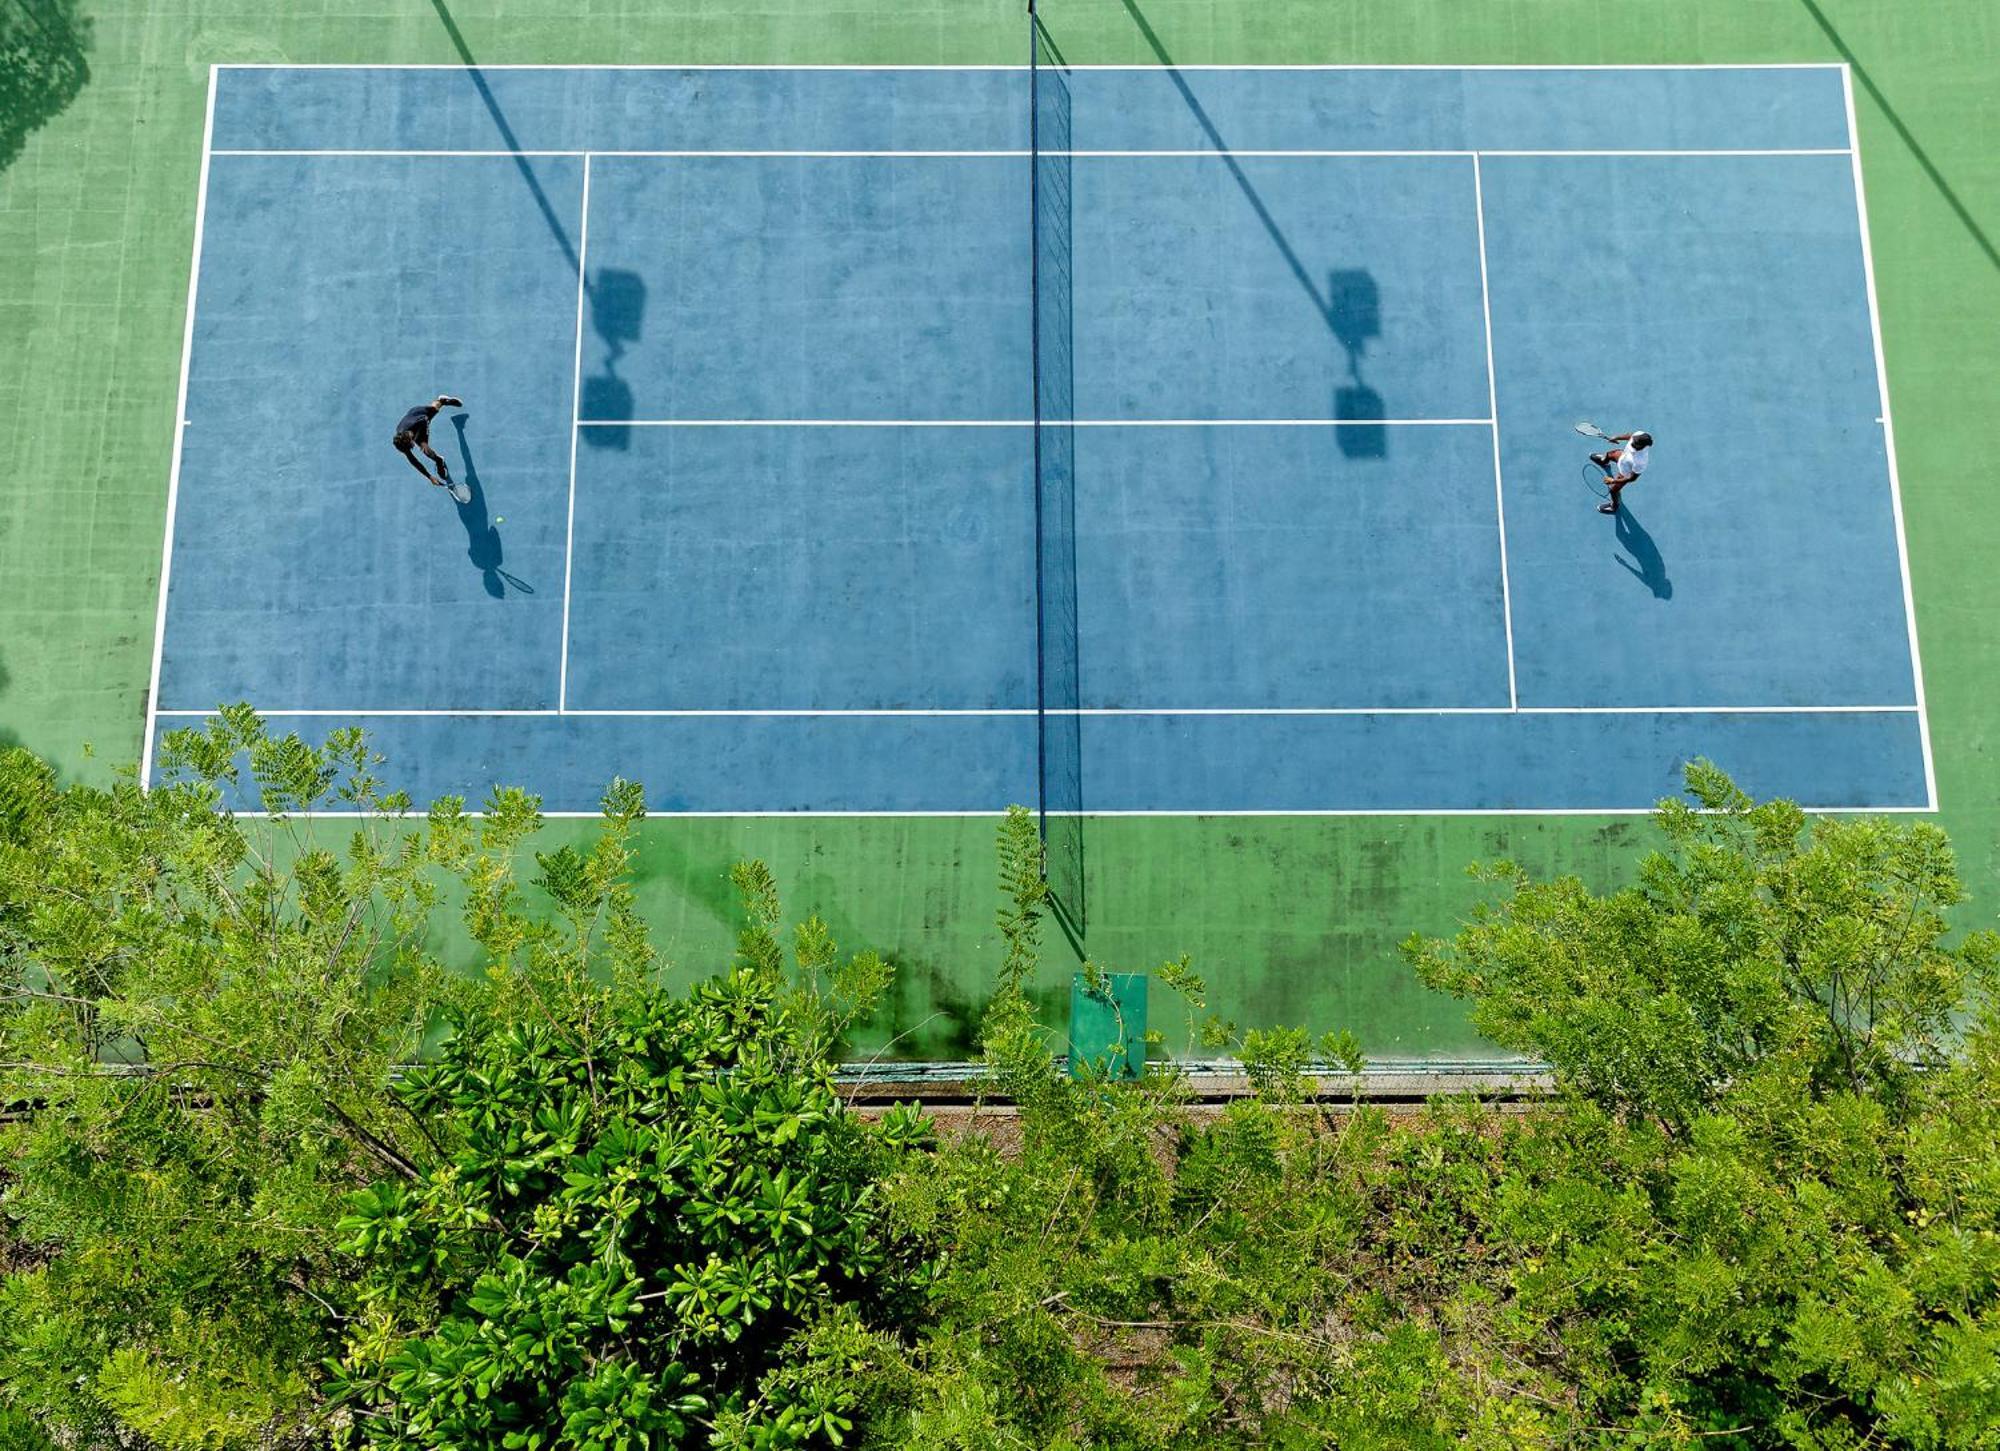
[1059, 694]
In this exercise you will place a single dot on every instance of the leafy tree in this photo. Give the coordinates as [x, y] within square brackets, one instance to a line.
[650, 1207]
[1769, 1214]
[1807, 956]
[205, 1012]
[206, 1017]
[1116, 1271]
[1762, 1211]
[43, 45]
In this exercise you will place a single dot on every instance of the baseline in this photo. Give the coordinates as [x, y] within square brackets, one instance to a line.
[1165, 153]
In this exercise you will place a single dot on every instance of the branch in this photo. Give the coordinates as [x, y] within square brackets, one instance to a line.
[417, 1119]
[28, 992]
[381, 1149]
[353, 921]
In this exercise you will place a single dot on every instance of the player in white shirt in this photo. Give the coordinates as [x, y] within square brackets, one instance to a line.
[1623, 465]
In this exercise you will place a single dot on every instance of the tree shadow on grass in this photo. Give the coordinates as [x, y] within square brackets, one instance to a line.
[7, 737]
[42, 67]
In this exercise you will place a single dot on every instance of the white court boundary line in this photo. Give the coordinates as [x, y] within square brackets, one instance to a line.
[281, 65]
[1030, 423]
[180, 431]
[1001, 153]
[1889, 439]
[997, 812]
[1493, 413]
[866, 712]
[575, 408]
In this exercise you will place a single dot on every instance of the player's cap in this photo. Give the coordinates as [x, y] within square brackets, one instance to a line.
[1642, 440]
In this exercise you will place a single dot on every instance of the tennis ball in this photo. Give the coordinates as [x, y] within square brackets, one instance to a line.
[500, 519]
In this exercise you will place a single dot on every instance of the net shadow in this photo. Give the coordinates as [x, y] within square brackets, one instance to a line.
[7, 736]
[1060, 687]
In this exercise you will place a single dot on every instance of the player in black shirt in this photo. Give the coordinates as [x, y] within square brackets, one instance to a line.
[414, 432]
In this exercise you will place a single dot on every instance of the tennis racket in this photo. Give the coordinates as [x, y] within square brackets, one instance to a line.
[1593, 477]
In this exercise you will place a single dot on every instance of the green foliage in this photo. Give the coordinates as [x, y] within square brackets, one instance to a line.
[1762, 1213]
[1811, 956]
[233, 1404]
[1026, 898]
[1113, 1274]
[1771, 1209]
[204, 1013]
[652, 1214]
[835, 994]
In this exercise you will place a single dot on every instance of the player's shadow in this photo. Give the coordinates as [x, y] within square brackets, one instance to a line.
[482, 540]
[1645, 565]
[42, 67]
[618, 316]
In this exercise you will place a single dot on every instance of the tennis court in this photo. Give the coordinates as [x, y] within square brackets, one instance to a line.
[912, 440]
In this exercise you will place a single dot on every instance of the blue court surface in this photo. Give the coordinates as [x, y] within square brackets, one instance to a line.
[747, 357]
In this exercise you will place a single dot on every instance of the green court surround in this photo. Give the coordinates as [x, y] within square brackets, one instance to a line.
[1290, 920]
